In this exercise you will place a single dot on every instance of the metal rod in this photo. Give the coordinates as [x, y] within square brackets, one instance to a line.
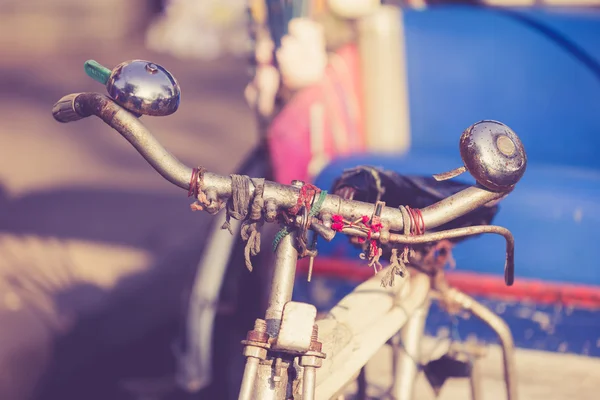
[249, 378]
[282, 284]
[475, 380]
[502, 330]
[309, 383]
[509, 263]
[509, 266]
[381, 43]
[408, 354]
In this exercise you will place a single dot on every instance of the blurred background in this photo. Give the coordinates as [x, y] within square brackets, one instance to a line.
[97, 252]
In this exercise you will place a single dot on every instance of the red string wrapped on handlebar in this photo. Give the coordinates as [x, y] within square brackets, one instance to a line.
[307, 195]
[305, 198]
[195, 181]
[369, 225]
[417, 223]
[373, 252]
[414, 217]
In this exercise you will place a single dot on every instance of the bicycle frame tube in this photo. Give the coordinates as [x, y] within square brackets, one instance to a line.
[357, 327]
[406, 353]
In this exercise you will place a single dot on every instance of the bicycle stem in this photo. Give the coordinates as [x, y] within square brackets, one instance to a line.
[77, 106]
[282, 283]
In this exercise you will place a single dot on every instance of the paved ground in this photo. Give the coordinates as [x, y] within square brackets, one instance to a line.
[88, 232]
[541, 375]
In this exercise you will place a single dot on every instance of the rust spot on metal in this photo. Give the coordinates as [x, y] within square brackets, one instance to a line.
[255, 336]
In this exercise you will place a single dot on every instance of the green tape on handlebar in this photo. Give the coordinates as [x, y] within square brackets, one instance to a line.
[97, 71]
[313, 211]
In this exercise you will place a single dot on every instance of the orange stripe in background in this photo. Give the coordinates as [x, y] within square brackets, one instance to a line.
[476, 284]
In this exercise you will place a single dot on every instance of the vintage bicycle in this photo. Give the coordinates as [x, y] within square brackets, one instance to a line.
[290, 353]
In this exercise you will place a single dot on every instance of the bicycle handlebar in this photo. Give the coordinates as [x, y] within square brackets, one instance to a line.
[81, 105]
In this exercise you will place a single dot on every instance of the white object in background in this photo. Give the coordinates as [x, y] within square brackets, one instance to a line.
[352, 9]
[267, 82]
[302, 57]
[319, 157]
[384, 81]
[200, 29]
[260, 93]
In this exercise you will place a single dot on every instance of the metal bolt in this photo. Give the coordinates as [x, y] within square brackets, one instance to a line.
[259, 333]
[277, 372]
[255, 352]
[151, 68]
[315, 333]
[505, 145]
[260, 325]
[315, 345]
[311, 361]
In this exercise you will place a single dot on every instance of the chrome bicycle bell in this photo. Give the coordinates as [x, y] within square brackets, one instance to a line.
[142, 87]
[493, 154]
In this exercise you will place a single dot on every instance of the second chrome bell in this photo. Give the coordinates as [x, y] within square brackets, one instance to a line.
[493, 154]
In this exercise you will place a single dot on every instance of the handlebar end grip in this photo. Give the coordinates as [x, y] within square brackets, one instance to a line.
[65, 109]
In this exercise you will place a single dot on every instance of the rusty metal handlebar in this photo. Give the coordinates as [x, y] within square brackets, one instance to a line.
[74, 107]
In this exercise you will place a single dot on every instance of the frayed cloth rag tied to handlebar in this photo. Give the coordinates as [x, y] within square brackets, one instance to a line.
[237, 207]
[310, 198]
[250, 226]
[241, 201]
